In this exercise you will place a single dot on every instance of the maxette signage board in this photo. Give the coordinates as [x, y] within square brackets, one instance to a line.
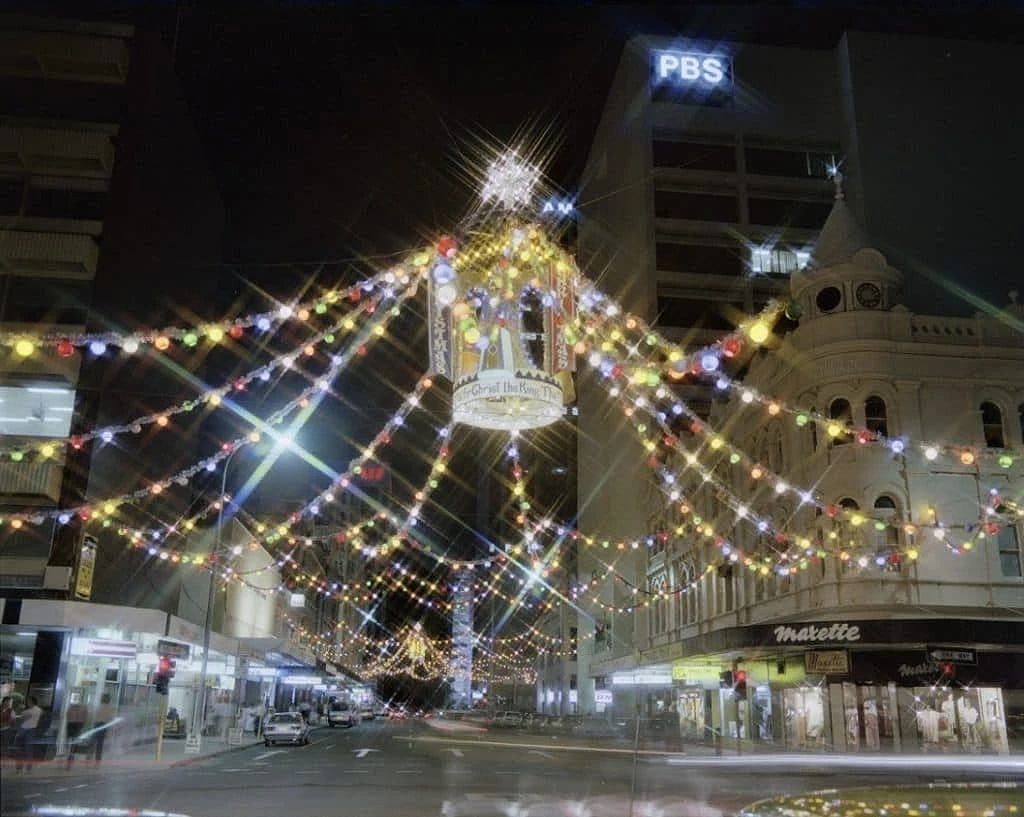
[691, 78]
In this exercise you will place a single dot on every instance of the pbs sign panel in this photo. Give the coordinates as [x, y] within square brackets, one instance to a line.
[691, 78]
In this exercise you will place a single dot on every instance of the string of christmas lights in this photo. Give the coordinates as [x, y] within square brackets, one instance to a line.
[25, 344]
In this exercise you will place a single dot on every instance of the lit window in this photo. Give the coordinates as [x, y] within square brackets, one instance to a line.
[777, 261]
[36, 410]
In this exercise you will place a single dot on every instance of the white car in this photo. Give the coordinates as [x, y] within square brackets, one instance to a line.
[286, 727]
[341, 714]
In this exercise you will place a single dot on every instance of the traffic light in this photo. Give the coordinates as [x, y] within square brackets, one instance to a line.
[949, 670]
[163, 675]
[739, 682]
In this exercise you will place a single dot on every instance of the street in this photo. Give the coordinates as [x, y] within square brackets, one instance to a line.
[414, 768]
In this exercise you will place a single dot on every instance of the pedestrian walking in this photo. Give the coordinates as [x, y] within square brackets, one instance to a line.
[7, 722]
[28, 723]
[76, 718]
[105, 715]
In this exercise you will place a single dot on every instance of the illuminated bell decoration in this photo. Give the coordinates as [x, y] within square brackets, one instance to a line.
[504, 376]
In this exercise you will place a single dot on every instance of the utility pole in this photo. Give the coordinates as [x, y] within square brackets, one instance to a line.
[193, 743]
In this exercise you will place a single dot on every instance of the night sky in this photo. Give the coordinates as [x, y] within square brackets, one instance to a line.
[338, 131]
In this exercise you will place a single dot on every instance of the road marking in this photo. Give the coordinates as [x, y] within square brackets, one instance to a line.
[82, 786]
[509, 745]
[329, 746]
[364, 752]
[357, 771]
[306, 771]
[542, 754]
[454, 751]
[30, 796]
[411, 771]
[62, 788]
[268, 754]
[232, 770]
[315, 742]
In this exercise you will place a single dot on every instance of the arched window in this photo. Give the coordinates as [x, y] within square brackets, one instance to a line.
[887, 534]
[840, 411]
[849, 504]
[875, 417]
[814, 431]
[992, 425]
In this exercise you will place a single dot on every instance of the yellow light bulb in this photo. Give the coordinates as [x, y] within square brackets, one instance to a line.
[24, 347]
[215, 334]
[759, 332]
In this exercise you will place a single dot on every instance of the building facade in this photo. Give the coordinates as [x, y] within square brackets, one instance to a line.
[848, 653]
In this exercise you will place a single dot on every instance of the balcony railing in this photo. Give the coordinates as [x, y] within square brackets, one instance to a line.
[63, 55]
[57, 254]
[56, 151]
[31, 479]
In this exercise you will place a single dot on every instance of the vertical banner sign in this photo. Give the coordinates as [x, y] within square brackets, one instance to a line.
[439, 337]
[86, 568]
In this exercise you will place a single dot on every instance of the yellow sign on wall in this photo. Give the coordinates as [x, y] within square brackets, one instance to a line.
[86, 568]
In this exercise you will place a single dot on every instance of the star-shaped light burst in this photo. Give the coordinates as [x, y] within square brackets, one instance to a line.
[510, 181]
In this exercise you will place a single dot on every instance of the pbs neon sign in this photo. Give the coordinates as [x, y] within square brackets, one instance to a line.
[695, 78]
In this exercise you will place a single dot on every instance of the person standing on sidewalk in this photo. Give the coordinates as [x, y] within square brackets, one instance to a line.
[77, 715]
[105, 715]
[7, 720]
[28, 722]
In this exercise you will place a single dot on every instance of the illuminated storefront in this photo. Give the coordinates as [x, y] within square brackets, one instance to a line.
[868, 686]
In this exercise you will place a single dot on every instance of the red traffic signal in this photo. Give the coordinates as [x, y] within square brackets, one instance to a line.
[739, 676]
[949, 670]
[164, 667]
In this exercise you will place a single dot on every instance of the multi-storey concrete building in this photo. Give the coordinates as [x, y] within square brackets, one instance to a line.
[859, 353]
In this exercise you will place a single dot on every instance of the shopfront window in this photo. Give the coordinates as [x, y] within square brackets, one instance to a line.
[972, 719]
[804, 717]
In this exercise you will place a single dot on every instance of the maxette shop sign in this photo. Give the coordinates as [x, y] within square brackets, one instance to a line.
[691, 78]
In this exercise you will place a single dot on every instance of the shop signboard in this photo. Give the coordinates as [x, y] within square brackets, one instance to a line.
[827, 662]
[104, 648]
[953, 655]
[86, 568]
[173, 649]
[603, 696]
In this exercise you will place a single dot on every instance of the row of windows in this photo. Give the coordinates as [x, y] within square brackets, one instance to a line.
[696, 313]
[765, 211]
[876, 420]
[44, 300]
[807, 164]
[682, 609]
[20, 199]
[734, 260]
[42, 98]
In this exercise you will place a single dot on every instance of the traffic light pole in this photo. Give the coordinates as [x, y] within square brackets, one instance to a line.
[160, 724]
[199, 704]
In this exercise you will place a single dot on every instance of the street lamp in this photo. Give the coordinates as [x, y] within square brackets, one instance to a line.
[199, 704]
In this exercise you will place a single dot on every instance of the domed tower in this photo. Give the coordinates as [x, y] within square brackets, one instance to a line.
[845, 273]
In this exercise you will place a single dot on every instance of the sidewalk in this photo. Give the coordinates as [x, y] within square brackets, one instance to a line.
[140, 757]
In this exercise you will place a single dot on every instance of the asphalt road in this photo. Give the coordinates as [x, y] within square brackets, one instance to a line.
[416, 770]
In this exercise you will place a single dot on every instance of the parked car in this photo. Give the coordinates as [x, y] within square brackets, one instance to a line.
[508, 719]
[366, 713]
[341, 714]
[286, 727]
[380, 710]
